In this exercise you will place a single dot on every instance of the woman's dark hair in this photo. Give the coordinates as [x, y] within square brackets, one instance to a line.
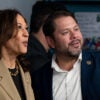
[49, 25]
[8, 24]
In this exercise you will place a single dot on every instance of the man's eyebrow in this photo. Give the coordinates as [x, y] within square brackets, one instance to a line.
[76, 25]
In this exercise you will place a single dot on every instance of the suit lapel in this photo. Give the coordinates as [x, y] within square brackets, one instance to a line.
[47, 82]
[86, 67]
[7, 83]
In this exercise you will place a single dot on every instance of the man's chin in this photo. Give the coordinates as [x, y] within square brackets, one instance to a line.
[75, 52]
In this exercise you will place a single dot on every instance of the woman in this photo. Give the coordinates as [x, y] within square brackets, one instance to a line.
[15, 83]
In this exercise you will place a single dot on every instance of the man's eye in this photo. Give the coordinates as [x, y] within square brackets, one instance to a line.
[63, 33]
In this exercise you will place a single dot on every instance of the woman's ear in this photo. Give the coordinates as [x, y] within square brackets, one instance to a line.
[50, 41]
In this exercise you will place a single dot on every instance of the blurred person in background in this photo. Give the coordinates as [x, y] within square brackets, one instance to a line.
[39, 52]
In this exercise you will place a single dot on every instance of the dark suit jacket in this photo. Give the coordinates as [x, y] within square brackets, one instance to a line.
[90, 78]
[36, 54]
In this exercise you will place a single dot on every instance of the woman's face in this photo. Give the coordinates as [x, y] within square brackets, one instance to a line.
[18, 43]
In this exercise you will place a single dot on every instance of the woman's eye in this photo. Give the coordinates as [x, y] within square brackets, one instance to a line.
[26, 28]
[19, 27]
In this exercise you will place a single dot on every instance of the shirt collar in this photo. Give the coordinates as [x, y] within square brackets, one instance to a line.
[55, 66]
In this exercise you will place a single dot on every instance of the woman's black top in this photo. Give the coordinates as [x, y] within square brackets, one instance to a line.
[18, 83]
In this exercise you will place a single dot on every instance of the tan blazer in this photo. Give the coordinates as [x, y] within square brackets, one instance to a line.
[8, 89]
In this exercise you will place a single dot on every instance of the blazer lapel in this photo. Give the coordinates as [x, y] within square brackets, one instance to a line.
[7, 83]
[47, 82]
[23, 81]
[86, 67]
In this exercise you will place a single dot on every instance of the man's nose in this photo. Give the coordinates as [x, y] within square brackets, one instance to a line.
[73, 34]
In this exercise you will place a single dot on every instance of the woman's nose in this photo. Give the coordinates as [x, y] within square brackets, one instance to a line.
[25, 32]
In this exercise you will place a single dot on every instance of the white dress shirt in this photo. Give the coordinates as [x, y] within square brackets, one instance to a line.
[67, 84]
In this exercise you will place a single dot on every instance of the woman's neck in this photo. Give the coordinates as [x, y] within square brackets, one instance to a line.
[9, 63]
[8, 59]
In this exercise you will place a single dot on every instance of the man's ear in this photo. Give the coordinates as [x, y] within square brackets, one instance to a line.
[50, 42]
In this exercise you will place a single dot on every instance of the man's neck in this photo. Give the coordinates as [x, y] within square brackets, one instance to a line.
[66, 64]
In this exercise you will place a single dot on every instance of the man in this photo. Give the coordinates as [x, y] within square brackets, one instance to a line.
[72, 74]
[39, 53]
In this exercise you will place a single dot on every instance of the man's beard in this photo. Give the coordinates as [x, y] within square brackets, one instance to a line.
[69, 52]
[73, 54]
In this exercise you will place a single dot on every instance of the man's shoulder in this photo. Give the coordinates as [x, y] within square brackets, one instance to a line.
[91, 54]
[44, 69]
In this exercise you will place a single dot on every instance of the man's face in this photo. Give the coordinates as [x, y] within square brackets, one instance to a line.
[67, 37]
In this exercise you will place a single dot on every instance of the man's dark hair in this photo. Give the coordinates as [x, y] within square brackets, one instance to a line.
[40, 11]
[49, 25]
